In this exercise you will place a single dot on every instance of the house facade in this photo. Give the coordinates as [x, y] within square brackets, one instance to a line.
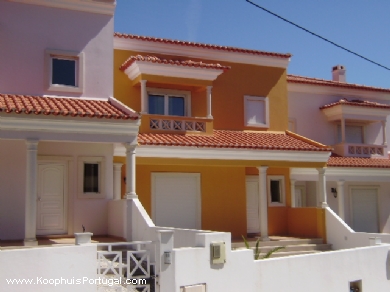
[213, 151]
[352, 119]
[58, 118]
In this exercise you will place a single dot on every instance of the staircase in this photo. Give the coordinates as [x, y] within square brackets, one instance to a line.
[293, 246]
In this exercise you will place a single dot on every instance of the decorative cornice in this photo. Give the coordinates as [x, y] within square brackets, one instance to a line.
[142, 67]
[99, 7]
[226, 154]
[200, 52]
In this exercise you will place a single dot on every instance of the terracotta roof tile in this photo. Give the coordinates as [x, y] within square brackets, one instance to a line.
[339, 161]
[356, 102]
[188, 63]
[74, 107]
[200, 45]
[232, 139]
[317, 81]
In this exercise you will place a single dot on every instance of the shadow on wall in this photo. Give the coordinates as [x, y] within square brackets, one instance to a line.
[388, 265]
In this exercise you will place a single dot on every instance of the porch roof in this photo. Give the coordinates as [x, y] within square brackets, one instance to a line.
[339, 161]
[235, 139]
[355, 102]
[66, 106]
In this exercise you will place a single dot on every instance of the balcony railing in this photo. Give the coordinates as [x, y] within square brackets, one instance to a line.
[176, 124]
[359, 150]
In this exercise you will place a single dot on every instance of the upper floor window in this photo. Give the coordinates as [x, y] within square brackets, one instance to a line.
[256, 111]
[65, 71]
[353, 134]
[165, 102]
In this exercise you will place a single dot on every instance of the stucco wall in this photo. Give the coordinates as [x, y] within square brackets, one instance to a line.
[92, 213]
[28, 30]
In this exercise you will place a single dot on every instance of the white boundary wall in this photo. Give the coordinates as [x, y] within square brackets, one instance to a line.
[341, 236]
[66, 262]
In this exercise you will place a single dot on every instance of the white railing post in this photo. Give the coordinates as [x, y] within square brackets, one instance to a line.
[130, 171]
[144, 98]
[209, 97]
[322, 200]
[117, 180]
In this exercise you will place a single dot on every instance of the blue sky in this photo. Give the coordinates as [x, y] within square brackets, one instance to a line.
[362, 26]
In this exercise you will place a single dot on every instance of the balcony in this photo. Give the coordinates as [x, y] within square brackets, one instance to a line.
[175, 124]
[359, 150]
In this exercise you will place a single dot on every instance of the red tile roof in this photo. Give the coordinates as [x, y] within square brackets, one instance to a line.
[316, 81]
[234, 139]
[200, 45]
[338, 161]
[188, 63]
[356, 102]
[73, 107]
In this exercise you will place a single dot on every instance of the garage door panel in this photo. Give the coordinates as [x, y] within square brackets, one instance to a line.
[176, 200]
[364, 210]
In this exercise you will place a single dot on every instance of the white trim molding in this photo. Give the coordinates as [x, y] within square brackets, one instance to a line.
[144, 67]
[99, 7]
[225, 154]
[199, 52]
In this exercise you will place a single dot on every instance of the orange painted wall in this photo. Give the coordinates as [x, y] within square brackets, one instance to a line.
[307, 222]
[228, 91]
[222, 194]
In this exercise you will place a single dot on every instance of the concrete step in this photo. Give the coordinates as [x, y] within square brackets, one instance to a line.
[278, 241]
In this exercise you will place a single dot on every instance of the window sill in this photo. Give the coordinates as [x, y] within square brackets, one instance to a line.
[63, 88]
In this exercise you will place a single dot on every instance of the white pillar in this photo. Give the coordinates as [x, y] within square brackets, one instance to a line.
[144, 98]
[342, 130]
[117, 180]
[384, 132]
[130, 171]
[263, 203]
[292, 187]
[322, 188]
[340, 198]
[209, 115]
[31, 193]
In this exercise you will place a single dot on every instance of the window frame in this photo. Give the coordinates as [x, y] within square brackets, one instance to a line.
[350, 124]
[78, 57]
[101, 194]
[265, 99]
[168, 92]
[282, 187]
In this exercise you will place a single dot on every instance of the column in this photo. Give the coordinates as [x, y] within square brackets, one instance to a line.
[31, 193]
[263, 203]
[293, 199]
[144, 98]
[342, 130]
[384, 132]
[340, 198]
[209, 115]
[130, 171]
[322, 200]
[117, 180]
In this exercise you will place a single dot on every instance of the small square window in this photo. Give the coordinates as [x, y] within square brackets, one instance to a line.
[256, 111]
[91, 177]
[65, 71]
[276, 192]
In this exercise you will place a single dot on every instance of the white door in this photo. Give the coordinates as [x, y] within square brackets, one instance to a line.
[364, 210]
[252, 204]
[176, 200]
[51, 204]
[300, 196]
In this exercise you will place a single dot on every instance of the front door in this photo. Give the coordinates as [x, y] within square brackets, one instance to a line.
[252, 204]
[51, 199]
[364, 210]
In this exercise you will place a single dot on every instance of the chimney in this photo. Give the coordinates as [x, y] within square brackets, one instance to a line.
[338, 73]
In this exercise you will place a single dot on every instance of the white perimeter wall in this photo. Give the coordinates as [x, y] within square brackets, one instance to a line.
[92, 213]
[67, 262]
[28, 30]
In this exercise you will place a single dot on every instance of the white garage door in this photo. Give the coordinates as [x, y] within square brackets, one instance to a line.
[176, 200]
[365, 210]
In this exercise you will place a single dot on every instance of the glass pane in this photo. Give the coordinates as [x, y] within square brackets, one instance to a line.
[275, 191]
[91, 178]
[353, 134]
[176, 106]
[255, 112]
[156, 104]
[64, 72]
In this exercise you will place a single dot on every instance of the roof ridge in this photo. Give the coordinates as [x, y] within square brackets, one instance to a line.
[307, 140]
[201, 45]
